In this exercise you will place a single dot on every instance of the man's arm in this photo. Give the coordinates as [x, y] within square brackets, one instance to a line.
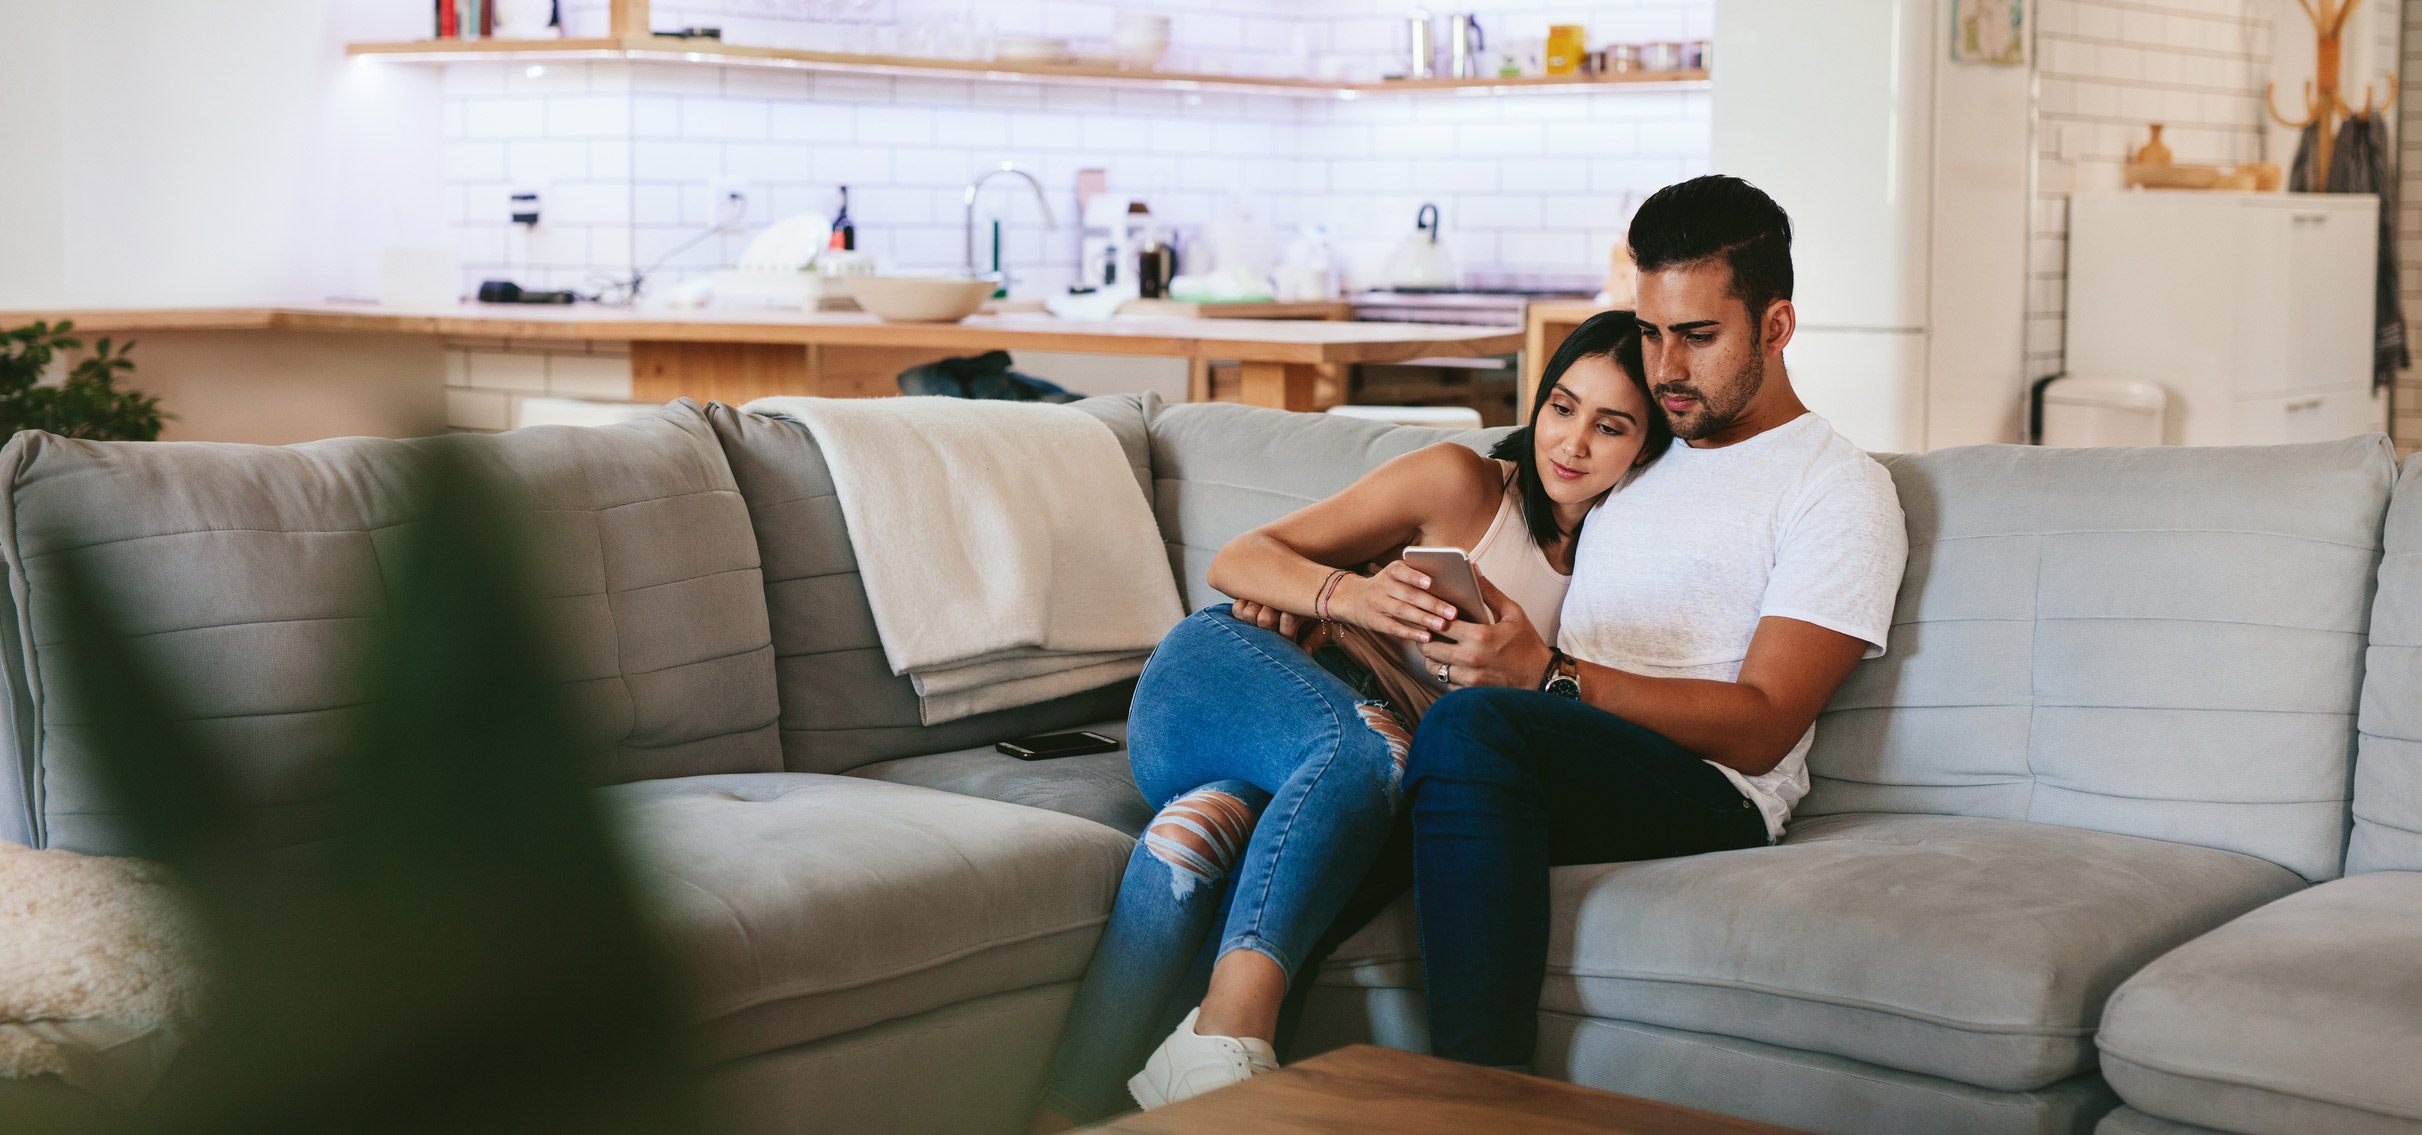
[1749, 724]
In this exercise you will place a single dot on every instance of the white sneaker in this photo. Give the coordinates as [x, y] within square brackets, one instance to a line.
[1188, 1064]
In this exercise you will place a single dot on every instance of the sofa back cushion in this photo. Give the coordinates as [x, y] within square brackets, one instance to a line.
[842, 707]
[1220, 470]
[2388, 757]
[2154, 642]
[252, 579]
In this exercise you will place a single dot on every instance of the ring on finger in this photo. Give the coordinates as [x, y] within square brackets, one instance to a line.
[1442, 671]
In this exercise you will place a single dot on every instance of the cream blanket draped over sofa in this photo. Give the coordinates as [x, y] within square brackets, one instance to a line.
[1000, 543]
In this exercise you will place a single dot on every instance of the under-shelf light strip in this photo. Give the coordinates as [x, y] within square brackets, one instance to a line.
[976, 71]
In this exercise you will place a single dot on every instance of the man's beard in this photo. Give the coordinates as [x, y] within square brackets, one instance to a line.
[1711, 418]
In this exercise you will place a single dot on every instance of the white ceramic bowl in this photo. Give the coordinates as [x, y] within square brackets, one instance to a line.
[920, 299]
[1140, 49]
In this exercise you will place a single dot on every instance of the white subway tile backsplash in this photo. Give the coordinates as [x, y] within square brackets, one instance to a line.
[475, 161]
[743, 119]
[1370, 175]
[959, 128]
[761, 163]
[589, 376]
[1455, 175]
[553, 246]
[593, 203]
[812, 122]
[1551, 247]
[1506, 138]
[625, 150]
[505, 118]
[535, 164]
[658, 160]
[896, 125]
[655, 116]
[844, 165]
[473, 79]
[501, 370]
[1544, 175]
[1673, 139]
[1497, 211]
[610, 159]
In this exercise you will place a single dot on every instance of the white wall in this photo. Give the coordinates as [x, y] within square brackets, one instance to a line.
[174, 156]
[33, 247]
[163, 154]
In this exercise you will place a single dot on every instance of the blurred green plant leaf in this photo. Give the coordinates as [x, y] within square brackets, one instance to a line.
[466, 952]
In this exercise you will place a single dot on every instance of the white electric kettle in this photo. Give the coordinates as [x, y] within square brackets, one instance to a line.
[1421, 262]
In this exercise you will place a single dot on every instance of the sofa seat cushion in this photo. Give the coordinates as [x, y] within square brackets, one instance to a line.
[1972, 949]
[1097, 786]
[799, 906]
[2305, 1015]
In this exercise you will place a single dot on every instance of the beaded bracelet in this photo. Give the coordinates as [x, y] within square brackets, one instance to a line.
[1328, 587]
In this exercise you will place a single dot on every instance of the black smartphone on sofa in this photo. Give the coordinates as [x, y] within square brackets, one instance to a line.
[1049, 745]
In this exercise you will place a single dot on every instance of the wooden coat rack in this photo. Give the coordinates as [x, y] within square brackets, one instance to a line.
[2324, 105]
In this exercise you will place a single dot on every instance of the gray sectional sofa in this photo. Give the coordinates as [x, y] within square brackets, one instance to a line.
[2072, 859]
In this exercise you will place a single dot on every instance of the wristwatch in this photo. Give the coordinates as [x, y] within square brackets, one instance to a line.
[1563, 677]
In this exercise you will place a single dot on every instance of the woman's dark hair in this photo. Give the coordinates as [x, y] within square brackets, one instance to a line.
[1719, 218]
[1608, 334]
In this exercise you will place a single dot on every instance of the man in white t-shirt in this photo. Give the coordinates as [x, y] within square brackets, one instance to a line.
[1717, 600]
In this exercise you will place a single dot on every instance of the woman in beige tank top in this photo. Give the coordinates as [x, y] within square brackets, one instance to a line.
[1272, 734]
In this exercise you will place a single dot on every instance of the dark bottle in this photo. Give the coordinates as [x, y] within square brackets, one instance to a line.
[845, 233]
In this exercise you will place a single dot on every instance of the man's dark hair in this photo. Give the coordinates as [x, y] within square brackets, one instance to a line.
[1714, 217]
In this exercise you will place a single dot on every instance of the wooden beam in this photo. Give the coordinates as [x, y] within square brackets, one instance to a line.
[867, 372]
[629, 19]
[1286, 386]
[718, 372]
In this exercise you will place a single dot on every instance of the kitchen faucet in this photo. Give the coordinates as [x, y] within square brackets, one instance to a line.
[977, 185]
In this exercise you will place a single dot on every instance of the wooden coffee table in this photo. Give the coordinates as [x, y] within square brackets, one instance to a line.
[1366, 1088]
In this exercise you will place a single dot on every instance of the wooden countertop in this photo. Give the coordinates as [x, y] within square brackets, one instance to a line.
[1297, 341]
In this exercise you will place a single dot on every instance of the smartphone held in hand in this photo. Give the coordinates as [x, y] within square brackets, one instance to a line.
[1453, 579]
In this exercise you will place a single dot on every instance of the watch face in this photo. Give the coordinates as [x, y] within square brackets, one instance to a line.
[1564, 687]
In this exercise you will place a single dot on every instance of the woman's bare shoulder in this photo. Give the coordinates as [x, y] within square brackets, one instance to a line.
[1450, 466]
[1447, 478]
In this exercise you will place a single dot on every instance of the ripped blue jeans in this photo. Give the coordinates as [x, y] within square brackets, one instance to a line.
[1276, 784]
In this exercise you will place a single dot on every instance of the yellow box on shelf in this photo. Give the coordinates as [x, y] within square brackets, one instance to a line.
[1566, 44]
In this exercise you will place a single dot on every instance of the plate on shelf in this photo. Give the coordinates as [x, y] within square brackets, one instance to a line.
[1032, 49]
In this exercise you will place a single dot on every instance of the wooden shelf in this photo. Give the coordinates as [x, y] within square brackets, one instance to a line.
[672, 49]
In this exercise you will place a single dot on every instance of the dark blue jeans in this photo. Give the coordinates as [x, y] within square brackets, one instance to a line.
[1505, 783]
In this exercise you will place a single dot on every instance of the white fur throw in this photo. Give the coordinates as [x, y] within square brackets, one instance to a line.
[87, 939]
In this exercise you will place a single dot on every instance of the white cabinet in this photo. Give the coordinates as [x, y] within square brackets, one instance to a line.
[2253, 309]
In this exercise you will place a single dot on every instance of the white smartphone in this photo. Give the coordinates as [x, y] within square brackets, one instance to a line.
[1452, 579]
